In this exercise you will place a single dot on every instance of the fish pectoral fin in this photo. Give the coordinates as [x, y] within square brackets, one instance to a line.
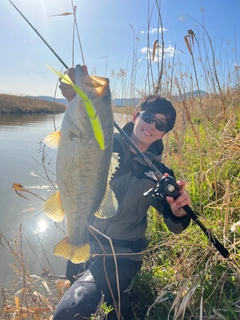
[53, 139]
[109, 205]
[53, 208]
[76, 254]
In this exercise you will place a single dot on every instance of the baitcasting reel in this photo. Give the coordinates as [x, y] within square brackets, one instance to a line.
[166, 186]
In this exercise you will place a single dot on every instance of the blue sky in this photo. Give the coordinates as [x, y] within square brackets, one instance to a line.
[113, 33]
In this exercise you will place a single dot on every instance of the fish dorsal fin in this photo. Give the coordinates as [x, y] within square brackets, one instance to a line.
[114, 164]
[109, 204]
[53, 139]
[53, 208]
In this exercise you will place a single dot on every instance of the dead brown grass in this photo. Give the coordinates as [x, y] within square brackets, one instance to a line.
[29, 296]
[19, 105]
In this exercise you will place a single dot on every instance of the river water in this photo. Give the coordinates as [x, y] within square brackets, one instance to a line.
[22, 154]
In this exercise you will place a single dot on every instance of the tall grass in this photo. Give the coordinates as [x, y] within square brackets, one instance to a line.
[183, 276]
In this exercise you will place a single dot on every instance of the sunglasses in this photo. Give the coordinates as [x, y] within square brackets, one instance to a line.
[149, 118]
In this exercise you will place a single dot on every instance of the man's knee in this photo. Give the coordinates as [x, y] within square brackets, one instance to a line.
[80, 301]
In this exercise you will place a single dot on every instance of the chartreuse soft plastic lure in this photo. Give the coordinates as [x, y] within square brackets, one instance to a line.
[89, 107]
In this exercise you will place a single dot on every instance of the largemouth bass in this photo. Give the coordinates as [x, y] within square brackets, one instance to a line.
[83, 169]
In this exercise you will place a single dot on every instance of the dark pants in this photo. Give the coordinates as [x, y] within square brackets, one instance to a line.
[83, 297]
[74, 271]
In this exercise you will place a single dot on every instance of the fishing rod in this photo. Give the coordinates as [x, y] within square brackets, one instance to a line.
[39, 35]
[166, 185]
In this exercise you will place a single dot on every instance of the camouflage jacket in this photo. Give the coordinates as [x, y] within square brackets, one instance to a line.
[131, 180]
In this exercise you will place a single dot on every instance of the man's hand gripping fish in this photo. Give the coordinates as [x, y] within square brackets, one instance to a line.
[84, 167]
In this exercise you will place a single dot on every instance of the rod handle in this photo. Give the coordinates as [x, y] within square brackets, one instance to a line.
[217, 244]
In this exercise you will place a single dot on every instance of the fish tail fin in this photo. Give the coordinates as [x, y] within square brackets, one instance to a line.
[53, 208]
[76, 254]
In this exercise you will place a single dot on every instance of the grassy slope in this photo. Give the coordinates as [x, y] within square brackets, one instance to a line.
[186, 271]
[184, 276]
[19, 104]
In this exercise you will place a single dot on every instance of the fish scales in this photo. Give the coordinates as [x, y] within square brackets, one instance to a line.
[82, 168]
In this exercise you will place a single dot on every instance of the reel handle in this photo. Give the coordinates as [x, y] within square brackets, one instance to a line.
[167, 186]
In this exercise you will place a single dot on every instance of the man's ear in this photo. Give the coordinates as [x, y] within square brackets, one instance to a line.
[134, 116]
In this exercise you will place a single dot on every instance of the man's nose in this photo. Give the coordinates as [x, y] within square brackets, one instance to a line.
[152, 125]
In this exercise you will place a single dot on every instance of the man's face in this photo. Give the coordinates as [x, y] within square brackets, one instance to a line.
[145, 131]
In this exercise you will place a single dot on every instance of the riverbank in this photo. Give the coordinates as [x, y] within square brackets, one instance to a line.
[28, 105]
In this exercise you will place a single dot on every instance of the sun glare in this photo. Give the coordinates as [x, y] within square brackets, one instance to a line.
[41, 226]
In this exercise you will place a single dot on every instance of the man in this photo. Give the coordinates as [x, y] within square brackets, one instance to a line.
[108, 275]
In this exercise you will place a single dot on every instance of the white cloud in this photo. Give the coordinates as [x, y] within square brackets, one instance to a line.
[145, 50]
[182, 18]
[142, 32]
[169, 52]
[157, 30]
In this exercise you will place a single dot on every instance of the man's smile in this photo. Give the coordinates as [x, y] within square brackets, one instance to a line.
[147, 132]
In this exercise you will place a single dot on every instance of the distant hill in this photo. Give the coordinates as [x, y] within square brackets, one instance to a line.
[51, 99]
[125, 102]
[115, 102]
[194, 94]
